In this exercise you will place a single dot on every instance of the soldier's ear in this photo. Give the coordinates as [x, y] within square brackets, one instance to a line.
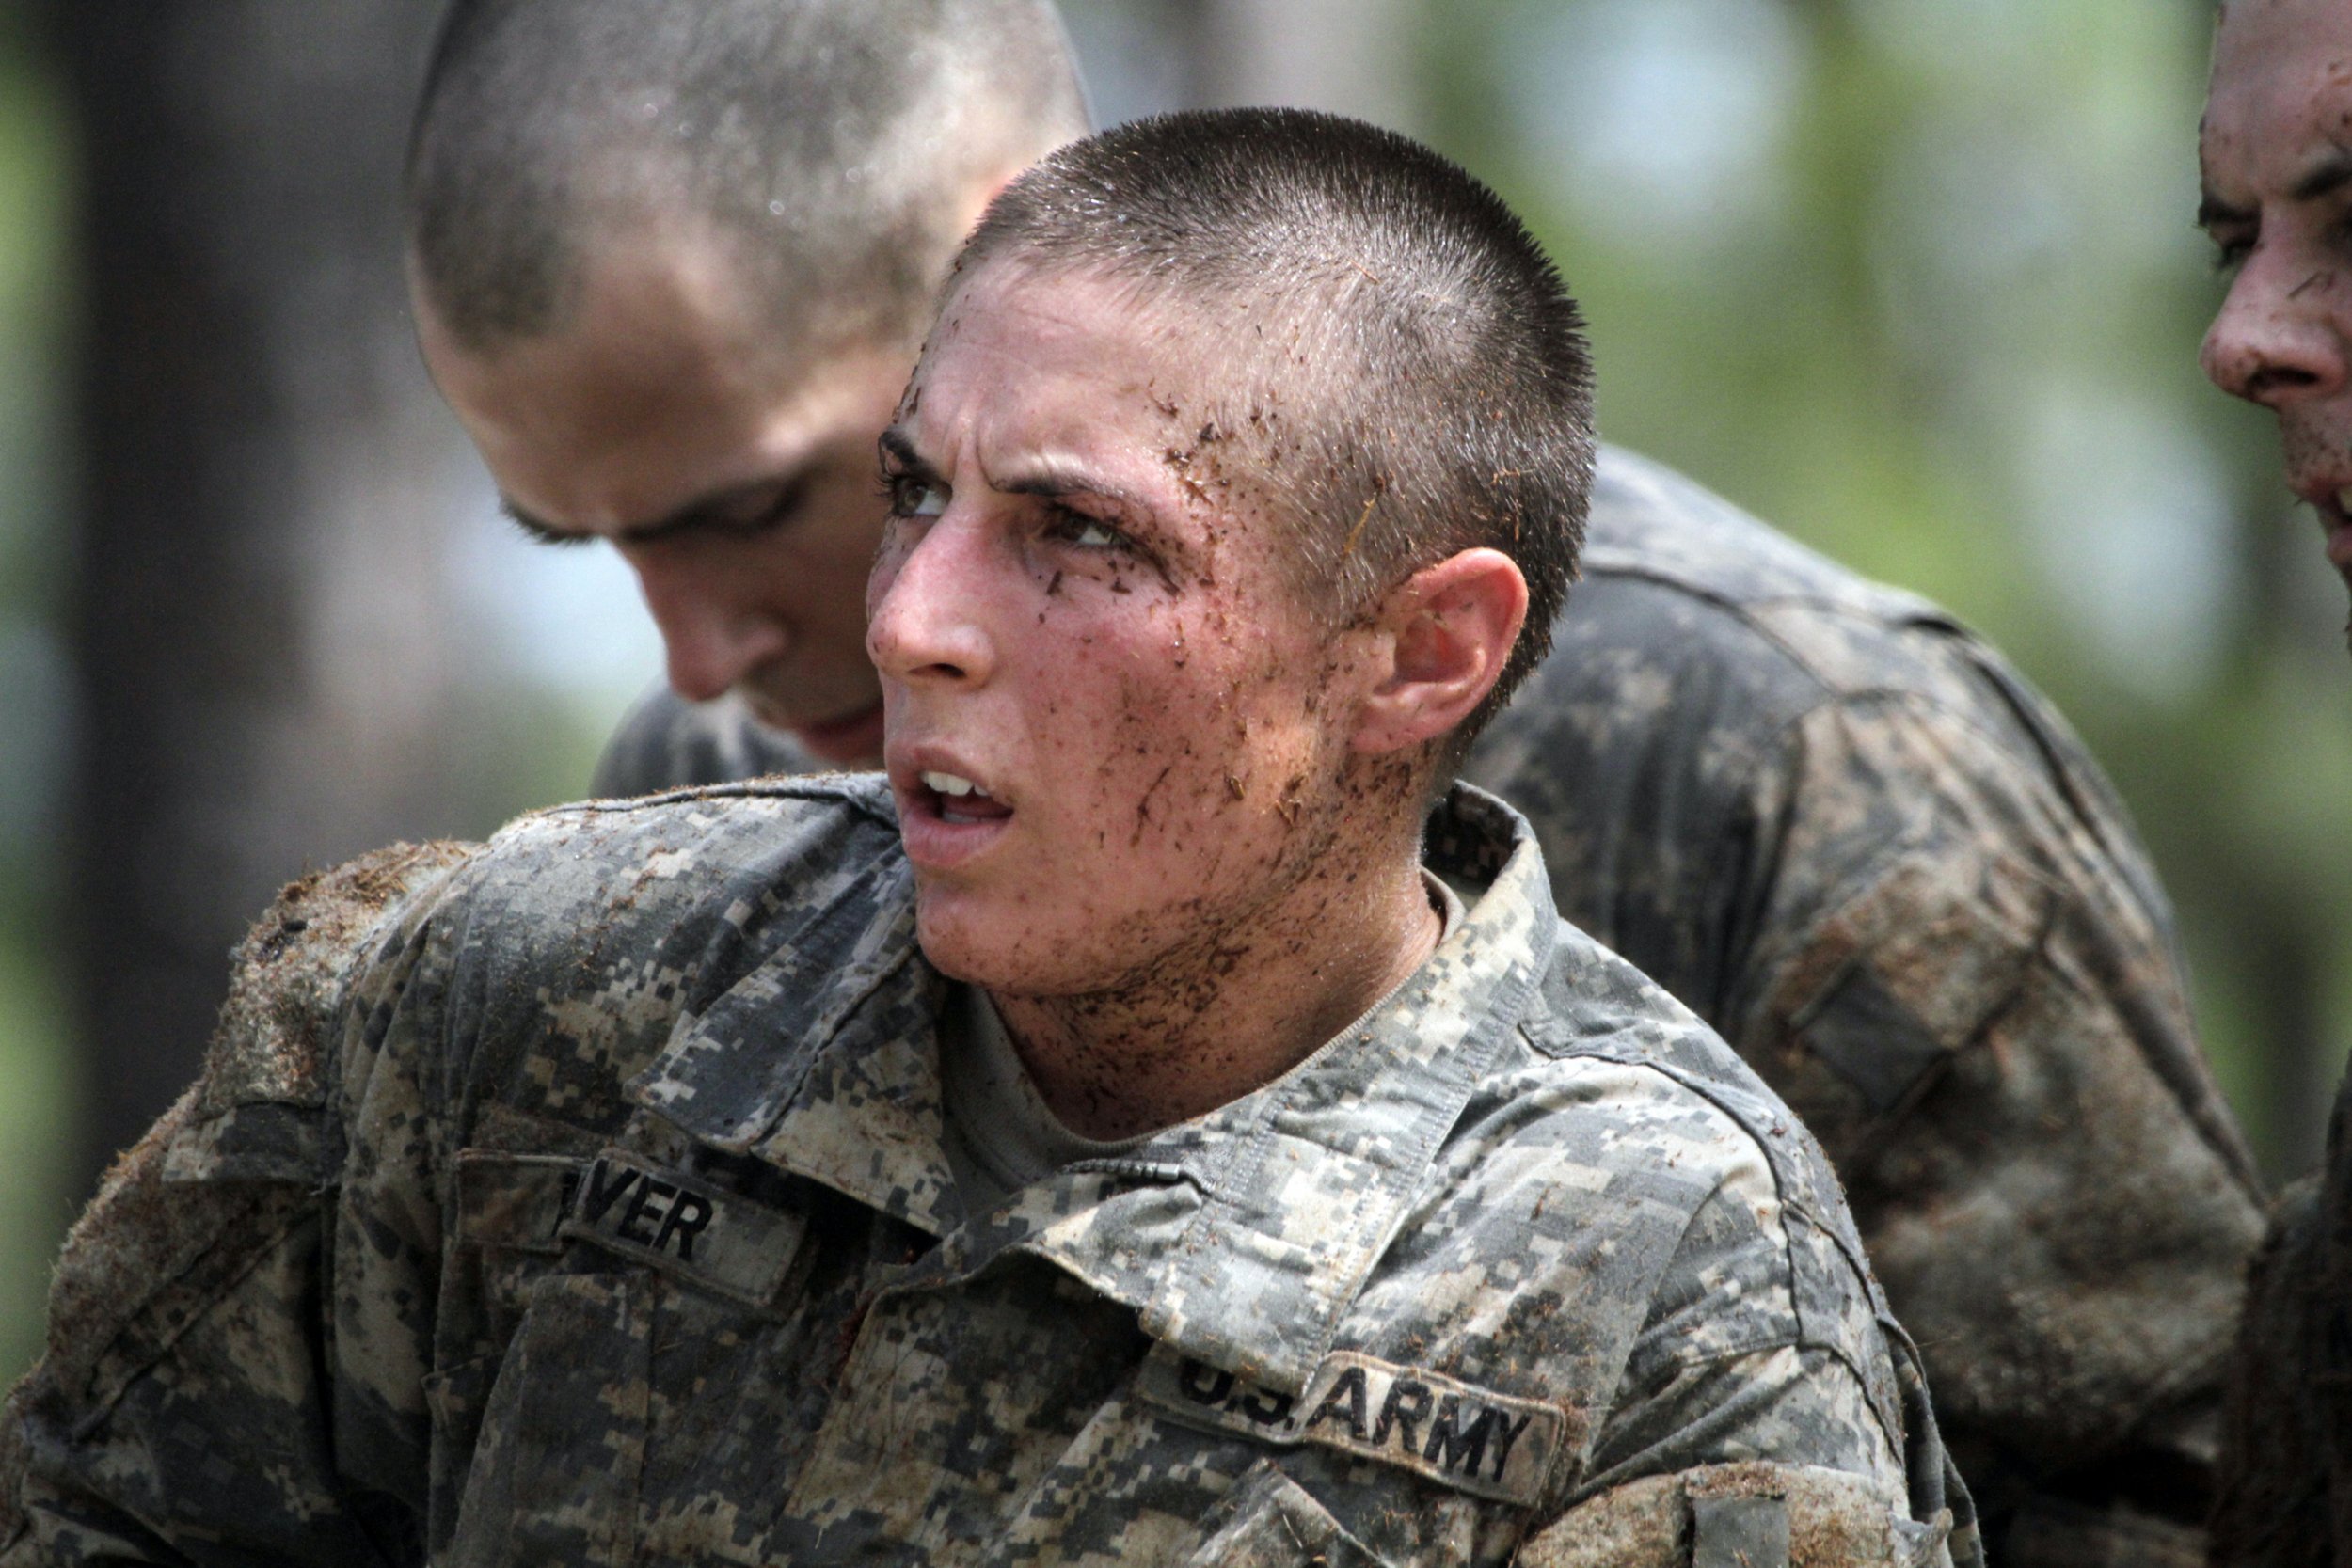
[1444, 634]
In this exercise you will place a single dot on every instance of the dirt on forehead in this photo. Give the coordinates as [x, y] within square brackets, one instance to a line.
[1235, 394]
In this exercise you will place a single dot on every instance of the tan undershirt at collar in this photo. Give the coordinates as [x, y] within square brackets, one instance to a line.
[1001, 1134]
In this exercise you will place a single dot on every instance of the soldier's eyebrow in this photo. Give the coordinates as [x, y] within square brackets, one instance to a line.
[2214, 213]
[712, 511]
[1042, 476]
[1054, 480]
[2330, 172]
[2328, 175]
[901, 461]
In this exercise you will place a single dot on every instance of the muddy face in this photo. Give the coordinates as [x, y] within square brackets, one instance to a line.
[741, 490]
[1119, 737]
[2275, 151]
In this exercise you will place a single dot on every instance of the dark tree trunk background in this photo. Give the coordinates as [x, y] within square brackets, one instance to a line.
[258, 613]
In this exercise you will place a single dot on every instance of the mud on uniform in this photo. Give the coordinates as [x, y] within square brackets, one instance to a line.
[1848, 835]
[581, 1199]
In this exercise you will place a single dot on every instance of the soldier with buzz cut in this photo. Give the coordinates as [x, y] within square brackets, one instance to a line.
[671, 263]
[2277, 168]
[1135, 1130]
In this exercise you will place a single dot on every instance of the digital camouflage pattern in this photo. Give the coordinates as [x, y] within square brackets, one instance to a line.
[1848, 835]
[581, 1199]
[1851, 838]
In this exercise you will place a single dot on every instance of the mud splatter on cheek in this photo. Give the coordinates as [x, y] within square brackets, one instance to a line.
[1290, 803]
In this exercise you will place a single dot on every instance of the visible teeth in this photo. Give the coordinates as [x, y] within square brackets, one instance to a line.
[2343, 498]
[948, 784]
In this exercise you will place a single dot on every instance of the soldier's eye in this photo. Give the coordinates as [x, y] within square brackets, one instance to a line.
[914, 496]
[2231, 244]
[1090, 533]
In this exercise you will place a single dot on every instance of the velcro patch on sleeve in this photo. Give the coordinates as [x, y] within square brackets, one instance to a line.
[685, 1226]
[1466, 1438]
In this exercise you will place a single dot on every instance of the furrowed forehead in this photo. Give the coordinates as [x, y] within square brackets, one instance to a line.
[1245, 426]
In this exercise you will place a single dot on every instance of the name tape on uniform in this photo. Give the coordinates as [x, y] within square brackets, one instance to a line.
[685, 1226]
[1478, 1442]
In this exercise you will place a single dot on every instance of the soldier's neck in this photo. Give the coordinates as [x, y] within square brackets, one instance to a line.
[1210, 1026]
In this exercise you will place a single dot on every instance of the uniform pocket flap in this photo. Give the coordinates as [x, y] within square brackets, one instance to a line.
[1914, 969]
[515, 1201]
[1270, 1521]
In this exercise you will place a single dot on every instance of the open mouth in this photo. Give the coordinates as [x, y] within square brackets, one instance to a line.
[956, 800]
[946, 819]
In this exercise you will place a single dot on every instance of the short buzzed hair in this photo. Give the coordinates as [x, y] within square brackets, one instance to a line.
[833, 144]
[1415, 378]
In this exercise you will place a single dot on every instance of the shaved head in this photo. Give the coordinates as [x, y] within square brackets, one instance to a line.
[1405, 371]
[829, 151]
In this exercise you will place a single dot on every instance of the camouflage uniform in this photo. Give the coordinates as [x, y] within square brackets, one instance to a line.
[1848, 836]
[667, 743]
[2286, 1458]
[581, 1199]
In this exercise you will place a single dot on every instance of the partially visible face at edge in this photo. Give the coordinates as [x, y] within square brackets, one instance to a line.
[740, 489]
[2276, 154]
[1081, 616]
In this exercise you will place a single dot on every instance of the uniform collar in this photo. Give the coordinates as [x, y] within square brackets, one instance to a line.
[1239, 1237]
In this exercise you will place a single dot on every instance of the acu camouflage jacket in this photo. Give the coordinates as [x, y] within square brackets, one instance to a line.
[1848, 835]
[581, 1199]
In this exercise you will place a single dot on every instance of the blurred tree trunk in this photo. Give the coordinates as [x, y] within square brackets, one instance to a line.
[257, 611]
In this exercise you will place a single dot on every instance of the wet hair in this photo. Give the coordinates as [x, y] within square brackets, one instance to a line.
[834, 146]
[1402, 364]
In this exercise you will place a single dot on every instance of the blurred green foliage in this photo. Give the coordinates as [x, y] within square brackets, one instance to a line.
[1914, 279]
[36, 1106]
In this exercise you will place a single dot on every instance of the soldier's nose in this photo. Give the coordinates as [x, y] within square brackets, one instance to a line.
[926, 624]
[2273, 341]
[712, 641]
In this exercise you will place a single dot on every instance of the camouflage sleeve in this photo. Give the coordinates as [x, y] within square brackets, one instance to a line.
[2272, 1508]
[1760, 1343]
[187, 1408]
[1761, 1417]
[666, 742]
[1753, 1515]
[1962, 990]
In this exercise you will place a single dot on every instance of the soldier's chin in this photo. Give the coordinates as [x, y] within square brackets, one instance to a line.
[966, 936]
[854, 741]
[945, 938]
